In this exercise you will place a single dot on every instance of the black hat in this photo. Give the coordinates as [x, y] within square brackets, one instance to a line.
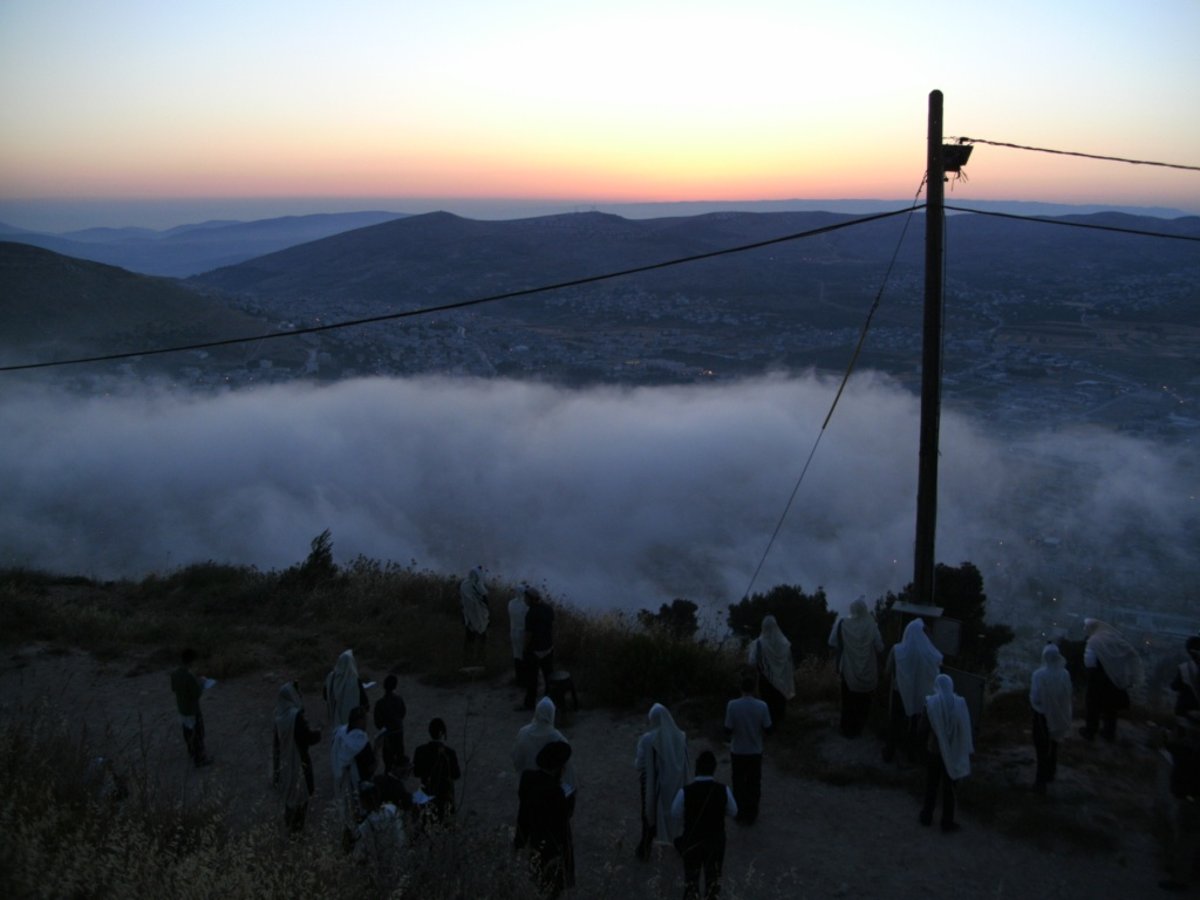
[554, 755]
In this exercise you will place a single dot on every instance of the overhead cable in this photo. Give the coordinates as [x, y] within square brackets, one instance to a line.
[1089, 225]
[1120, 159]
[462, 304]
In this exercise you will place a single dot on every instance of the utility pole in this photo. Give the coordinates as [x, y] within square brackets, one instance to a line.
[931, 359]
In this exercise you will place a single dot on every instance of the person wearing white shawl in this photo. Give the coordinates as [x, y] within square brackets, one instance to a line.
[343, 689]
[294, 770]
[473, 596]
[1050, 697]
[914, 664]
[517, 609]
[1114, 668]
[771, 657]
[857, 646]
[662, 764]
[950, 747]
[531, 739]
[347, 743]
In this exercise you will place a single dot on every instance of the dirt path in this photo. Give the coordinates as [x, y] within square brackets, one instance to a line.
[813, 839]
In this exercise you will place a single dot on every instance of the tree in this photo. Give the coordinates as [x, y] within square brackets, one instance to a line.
[319, 568]
[678, 619]
[804, 618]
[959, 590]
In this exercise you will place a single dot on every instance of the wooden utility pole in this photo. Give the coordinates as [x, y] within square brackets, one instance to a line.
[931, 360]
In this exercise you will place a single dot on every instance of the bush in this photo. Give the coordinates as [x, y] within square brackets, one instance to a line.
[678, 619]
[805, 619]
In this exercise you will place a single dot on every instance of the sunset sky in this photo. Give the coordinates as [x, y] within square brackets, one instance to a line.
[366, 104]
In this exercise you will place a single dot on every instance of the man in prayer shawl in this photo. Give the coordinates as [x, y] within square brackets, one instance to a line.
[771, 657]
[544, 820]
[379, 839]
[531, 739]
[699, 811]
[517, 610]
[348, 744]
[1050, 697]
[857, 646]
[1186, 683]
[473, 595]
[1113, 668]
[188, 689]
[344, 690]
[662, 764]
[950, 748]
[293, 737]
[913, 664]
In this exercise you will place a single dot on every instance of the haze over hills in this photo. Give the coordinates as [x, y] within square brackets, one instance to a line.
[189, 249]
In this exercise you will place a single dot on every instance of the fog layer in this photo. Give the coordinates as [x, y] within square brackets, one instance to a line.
[621, 498]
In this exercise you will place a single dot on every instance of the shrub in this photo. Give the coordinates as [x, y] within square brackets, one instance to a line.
[804, 618]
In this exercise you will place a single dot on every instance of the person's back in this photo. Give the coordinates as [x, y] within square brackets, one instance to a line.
[436, 765]
[747, 719]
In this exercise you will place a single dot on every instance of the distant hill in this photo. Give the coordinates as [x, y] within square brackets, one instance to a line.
[189, 249]
[57, 307]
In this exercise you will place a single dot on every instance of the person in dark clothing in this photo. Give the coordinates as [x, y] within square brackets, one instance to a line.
[436, 765]
[539, 644]
[747, 719]
[1184, 747]
[1186, 683]
[188, 688]
[544, 820]
[700, 809]
[389, 722]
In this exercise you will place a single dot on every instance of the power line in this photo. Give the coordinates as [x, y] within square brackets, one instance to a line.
[862, 338]
[1088, 225]
[462, 304]
[1120, 159]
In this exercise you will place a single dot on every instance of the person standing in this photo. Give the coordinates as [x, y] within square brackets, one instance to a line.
[914, 663]
[352, 762]
[1186, 683]
[473, 597]
[539, 644]
[436, 765]
[771, 657]
[1183, 745]
[747, 719]
[1050, 698]
[699, 810]
[344, 690]
[517, 608]
[544, 820]
[662, 764]
[857, 646]
[188, 688]
[293, 737]
[389, 725]
[1113, 669]
[950, 747]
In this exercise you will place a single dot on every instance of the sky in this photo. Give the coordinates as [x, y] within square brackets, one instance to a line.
[139, 112]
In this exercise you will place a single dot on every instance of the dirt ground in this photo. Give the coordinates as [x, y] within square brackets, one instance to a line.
[812, 839]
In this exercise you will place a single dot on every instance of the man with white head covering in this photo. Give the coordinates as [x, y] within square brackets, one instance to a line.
[348, 751]
[857, 646]
[662, 762]
[771, 657]
[537, 734]
[1050, 697]
[914, 663]
[1114, 668]
[293, 737]
[517, 610]
[473, 596]
[950, 748]
[344, 690]
[544, 819]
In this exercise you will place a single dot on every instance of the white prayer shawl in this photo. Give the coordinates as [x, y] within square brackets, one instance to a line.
[536, 735]
[771, 654]
[517, 608]
[858, 638]
[342, 689]
[917, 663]
[1050, 692]
[662, 757]
[951, 724]
[291, 779]
[344, 746]
[1116, 655]
[473, 594]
